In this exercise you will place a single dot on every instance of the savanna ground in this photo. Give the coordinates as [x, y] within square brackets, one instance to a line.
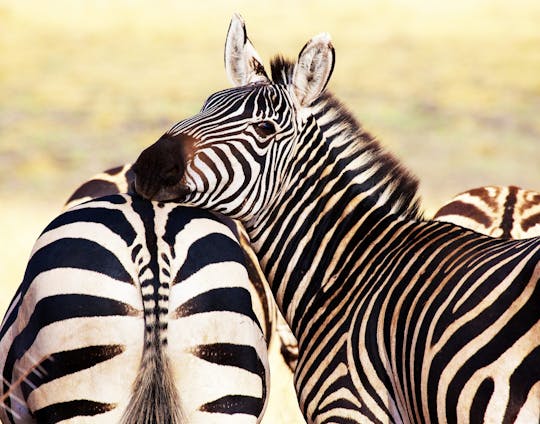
[452, 88]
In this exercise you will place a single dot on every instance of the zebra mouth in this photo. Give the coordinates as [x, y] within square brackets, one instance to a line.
[160, 169]
[178, 193]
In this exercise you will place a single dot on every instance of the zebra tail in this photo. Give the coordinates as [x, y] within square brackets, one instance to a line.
[155, 398]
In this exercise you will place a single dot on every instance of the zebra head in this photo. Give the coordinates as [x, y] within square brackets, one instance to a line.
[232, 157]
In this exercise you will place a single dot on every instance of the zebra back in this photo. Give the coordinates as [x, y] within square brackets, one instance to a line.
[115, 180]
[497, 211]
[120, 312]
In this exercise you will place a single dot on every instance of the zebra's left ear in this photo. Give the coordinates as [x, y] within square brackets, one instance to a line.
[313, 69]
[242, 62]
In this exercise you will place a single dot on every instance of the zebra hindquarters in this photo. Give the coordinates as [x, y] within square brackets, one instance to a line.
[214, 338]
[126, 303]
[72, 339]
[281, 344]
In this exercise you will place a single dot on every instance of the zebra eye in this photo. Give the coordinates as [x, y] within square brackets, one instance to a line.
[265, 128]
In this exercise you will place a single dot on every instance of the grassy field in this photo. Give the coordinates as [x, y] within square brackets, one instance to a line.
[452, 88]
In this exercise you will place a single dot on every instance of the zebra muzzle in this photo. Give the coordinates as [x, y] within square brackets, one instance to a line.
[159, 169]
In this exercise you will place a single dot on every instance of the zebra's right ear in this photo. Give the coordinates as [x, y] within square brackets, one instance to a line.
[242, 62]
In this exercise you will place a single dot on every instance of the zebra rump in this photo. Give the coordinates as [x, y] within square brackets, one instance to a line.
[281, 343]
[497, 211]
[120, 180]
[129, 312]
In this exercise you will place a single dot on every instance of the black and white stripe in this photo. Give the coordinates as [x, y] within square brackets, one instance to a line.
[136, 312]
[398, 318]
[507, 212]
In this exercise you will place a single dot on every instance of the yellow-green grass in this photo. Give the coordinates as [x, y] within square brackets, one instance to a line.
[452, 88]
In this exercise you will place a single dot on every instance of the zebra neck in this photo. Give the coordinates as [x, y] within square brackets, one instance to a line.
[305, 256]
[337, 198]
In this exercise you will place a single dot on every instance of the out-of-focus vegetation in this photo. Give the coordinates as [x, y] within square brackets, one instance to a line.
[452, 88]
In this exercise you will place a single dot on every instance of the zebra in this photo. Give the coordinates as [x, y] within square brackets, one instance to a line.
[115, 180]
[498, 211]
[398, 318]
[135, 312]
[282, 346]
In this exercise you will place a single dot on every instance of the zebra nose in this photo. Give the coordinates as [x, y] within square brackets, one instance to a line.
[159, 166]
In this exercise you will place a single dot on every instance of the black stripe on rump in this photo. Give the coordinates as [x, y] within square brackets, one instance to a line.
[457, 207]
[66, 410]
[94, 188]
[69, 253]
[234, 404]
[181, 216]
[226, 299]
[210, 249]
[239, 356]
[118, 169]
[68, 362]
[113, 219]
[507, 222]
[63, 307]
[76, 253]
[58, 308]
[531, 221]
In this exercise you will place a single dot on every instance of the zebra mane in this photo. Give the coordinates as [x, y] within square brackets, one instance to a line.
[337, 122]
[281, 70]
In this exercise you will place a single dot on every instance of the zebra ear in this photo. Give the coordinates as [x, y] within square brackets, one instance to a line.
[313, 69]
[242, 62]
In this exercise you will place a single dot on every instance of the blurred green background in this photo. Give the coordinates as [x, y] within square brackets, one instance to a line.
[452, 88]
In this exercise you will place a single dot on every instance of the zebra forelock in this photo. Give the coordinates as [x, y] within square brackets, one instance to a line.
[282, 70]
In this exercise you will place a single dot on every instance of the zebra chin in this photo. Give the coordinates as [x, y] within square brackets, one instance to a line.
[178, 194]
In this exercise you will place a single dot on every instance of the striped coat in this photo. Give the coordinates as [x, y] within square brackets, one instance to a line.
[131, 311]
[282, 345]
[398, 318]
[507, 212]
